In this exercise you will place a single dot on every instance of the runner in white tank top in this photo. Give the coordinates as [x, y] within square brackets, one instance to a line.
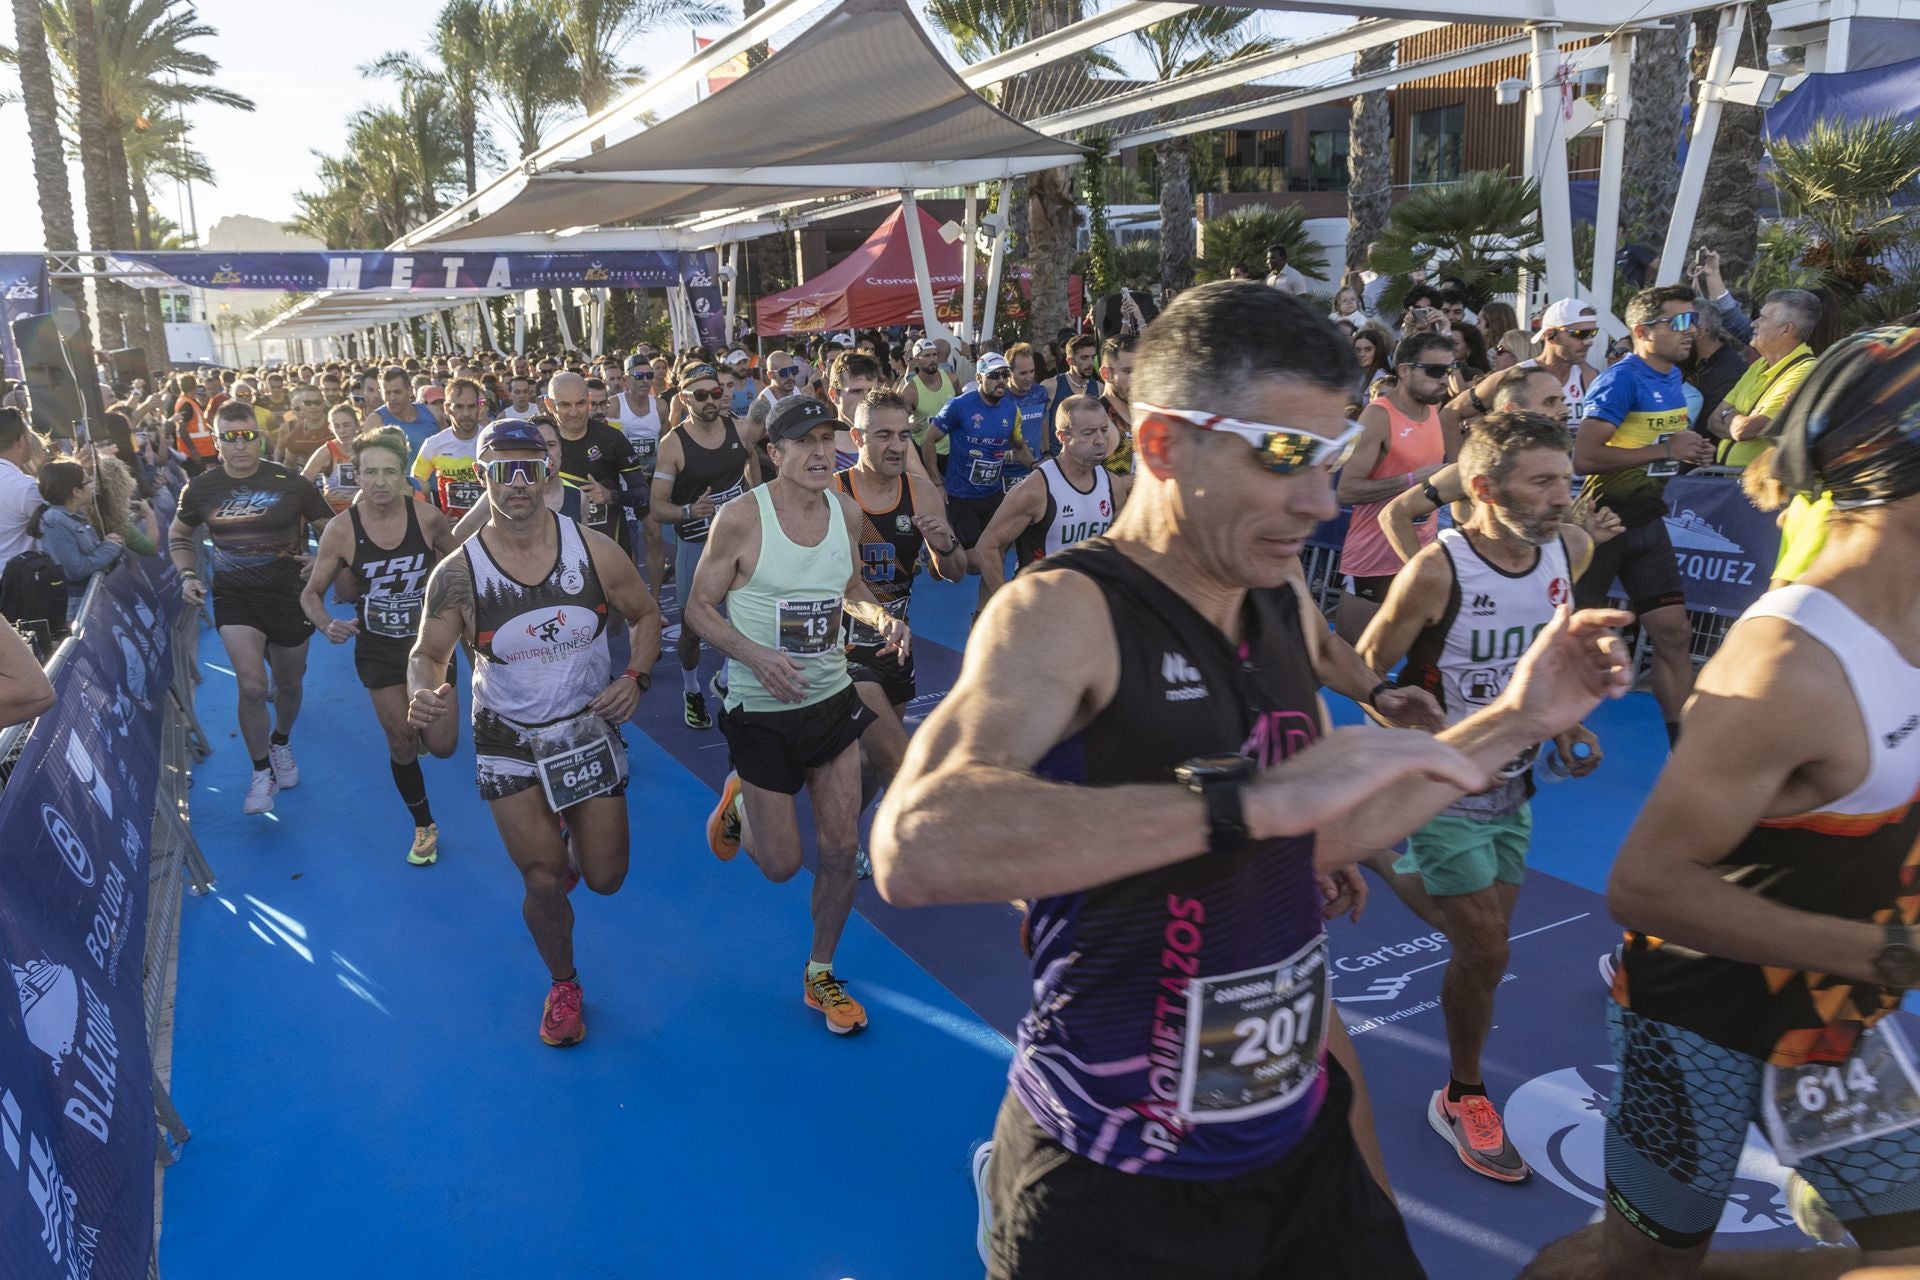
[1066, 499]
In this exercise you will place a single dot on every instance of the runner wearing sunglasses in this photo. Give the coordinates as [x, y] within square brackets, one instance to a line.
[1568, 330]
[1636, 436]
[530, 596]
[982, 427]
[1408, 436]
[783, 373]
[257, 514]
[928, 389]
[1180, 1101]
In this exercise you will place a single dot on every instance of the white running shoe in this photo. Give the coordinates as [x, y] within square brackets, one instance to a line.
[285, 771]
[260, 793]
[982, 1157]
[1610, 964]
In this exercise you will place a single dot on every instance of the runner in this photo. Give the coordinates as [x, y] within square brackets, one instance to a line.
[598, 459]
[783, 373]
[256, 514]
[1164, 873]
[927, 389]
[1031, 401]
[444, 467]
[1460, 614]
[308, 427]
[521, 389]
[1404, 441]
[1767, 883]
[1081, 377]
[636, 412]
[705, 463]
[1633, 438]
[557, 493]
[787, 567]
[331, 465]
[1116, 374]
[389, 543]
[529, 596]
[981, 426]
[1568, 329]
[1069, 498]
[399, 409]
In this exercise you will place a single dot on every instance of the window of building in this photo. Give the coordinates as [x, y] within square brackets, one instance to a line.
[176, 308]
[1327, 159]
[1437, 145]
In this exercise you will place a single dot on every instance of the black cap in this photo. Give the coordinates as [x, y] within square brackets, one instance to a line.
[794, 416]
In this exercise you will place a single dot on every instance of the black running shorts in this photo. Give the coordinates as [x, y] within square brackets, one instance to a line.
[894, 675]
[969, 516]
[276, 614]
[1316, 1215]
[774, 749]
[379, 661]
[1642, 559]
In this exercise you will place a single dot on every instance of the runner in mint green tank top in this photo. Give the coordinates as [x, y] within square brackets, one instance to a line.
[792, 603]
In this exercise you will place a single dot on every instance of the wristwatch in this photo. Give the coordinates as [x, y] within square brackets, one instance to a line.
[1221, 781]
[1897, 964]
[643, 679]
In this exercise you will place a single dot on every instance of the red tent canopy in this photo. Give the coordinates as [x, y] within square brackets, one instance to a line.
[873, 286]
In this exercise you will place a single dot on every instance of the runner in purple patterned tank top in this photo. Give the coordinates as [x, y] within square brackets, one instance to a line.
[1167, 797]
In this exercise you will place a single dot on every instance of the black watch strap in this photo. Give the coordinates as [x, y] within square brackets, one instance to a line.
[1432, 494]
[1226, 813]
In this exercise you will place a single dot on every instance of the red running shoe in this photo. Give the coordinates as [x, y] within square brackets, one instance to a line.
[560, 1023]
[1472, 1126]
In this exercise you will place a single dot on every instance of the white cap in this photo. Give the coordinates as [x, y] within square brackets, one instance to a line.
[925, 346]
[1564, 314]
[992, 362]
[737, 356]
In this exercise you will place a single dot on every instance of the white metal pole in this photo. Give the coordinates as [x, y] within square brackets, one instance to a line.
[1550, 159]
[996, 261]
[916, 245]
[972, 222]
[599, 322]
[1706, 128]
[1613, 155]
[520, 324]
[560, 315]
[733, 288]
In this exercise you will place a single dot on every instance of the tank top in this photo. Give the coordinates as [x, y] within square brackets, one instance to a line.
[1411, 445]
[539, 648]
[1572, 388]
[341, 484]
[889, 557]
[642, 430]
[1178, 1017]
[393, 581]
[1466, 658]
[792, 603]
[1071, 516]
[1848, 859]
[721, 470]
[1119, 458]
[928, 401]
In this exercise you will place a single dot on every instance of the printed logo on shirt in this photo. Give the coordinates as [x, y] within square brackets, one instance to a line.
[1482, 606]
[1184, 678]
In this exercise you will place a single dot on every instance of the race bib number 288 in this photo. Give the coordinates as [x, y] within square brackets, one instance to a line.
[1254, 1038]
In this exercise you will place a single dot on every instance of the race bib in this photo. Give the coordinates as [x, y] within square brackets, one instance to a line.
[1813, 1109]
[984, 473]
[462, 495]
[345, 476]
[578, 761]
[1665, 467]
[1254, 1038]
[860, 635]
[644, 449]
[394, 617]
[808, 627]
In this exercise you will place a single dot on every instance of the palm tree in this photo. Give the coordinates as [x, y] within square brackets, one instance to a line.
[82, 55]
[1729, 217]
[42, 103]
[1853, 186]
[1052, 214]
[1369, 159]
[596, 32]
[1190, 42]
[526, 73]
[398, 166]
[1651, 175]
[1241, 237]
[1482, 230]
[458, 44]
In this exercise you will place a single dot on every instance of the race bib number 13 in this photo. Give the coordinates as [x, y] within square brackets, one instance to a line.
[1254, 1038]
[808, 627]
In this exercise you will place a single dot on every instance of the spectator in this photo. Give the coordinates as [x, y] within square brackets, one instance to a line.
[1281, 276]
[1374, 348]
[25, 691]
[1496, 318]
[1346, 306]
[1717, 362]
[66, 534]
[1787, 320]
[1712, 286]
[126, 445]
[120, 508]
[19, 496]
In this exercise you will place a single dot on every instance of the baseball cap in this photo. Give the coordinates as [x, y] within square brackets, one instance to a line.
[432, 394]
[1566, 313]
[698, 373]
[510, 433]
[992, 362]
[925, 346]
[737, 356]
[794, 416]
[843, 339]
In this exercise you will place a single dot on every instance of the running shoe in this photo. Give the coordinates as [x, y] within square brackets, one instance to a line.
[260, 792]
[862, 865]
[1610, 965]
[723, 824]
[1473, 1126]
[718, 685]
[426, 845]
[1811, 1213]
[560, 1022]
[982, 1158]
[697, 717]
[829, 995]
[285, 771]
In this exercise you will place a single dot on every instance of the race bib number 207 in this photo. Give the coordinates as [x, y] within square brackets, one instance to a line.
[1254, 1038]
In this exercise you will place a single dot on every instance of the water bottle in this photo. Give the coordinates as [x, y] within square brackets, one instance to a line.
[1559, 768]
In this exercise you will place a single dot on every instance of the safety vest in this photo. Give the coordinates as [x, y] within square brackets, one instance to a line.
[198, 435]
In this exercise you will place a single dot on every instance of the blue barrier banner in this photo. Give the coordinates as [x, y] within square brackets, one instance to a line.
[1724, 546]
[77, 1132]
[23, 292]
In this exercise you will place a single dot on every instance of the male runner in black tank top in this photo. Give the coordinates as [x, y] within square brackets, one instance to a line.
[389, 542]
[704, 463]
[1105, 789]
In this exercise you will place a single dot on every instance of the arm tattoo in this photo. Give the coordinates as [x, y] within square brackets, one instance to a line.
[450, 589]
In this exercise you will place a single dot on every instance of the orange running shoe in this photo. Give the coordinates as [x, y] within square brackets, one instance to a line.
[829, 995]
[723, 824]
[1472, 1125]
[560, 1023]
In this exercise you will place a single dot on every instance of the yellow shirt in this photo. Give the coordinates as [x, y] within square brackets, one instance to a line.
[1803, 531]
[1764, 389]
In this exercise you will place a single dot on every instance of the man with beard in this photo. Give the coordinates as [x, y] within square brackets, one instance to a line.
[1116, 373]
[981, 425]
[927, 389]
[445, 467]
[1081, 377]
[1462, 614]
[1402, 443]
[1568, 329]
[399, 409]
[1031, 400]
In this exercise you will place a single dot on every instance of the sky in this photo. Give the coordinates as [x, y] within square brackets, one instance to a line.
[300, 64]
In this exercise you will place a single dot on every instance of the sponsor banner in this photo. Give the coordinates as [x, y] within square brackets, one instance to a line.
[1724, 546]
[23, 292]
[77, 1130]
[422, 272]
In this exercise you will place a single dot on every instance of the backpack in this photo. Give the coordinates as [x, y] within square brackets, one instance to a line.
[33, 596]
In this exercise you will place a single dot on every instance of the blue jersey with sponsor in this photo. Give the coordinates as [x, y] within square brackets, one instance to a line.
[1645, 406]
[981, 434]
[1178, 1024]
[1035, 428]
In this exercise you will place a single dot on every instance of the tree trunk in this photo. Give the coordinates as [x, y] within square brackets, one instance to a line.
[469, 142]
[96, 168]
[1018, 232]
[1651, 176]
[1369, 160]
[134, 306]
[1728, 218]
[1051, 209]
[1175, 159]
[42, 106]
